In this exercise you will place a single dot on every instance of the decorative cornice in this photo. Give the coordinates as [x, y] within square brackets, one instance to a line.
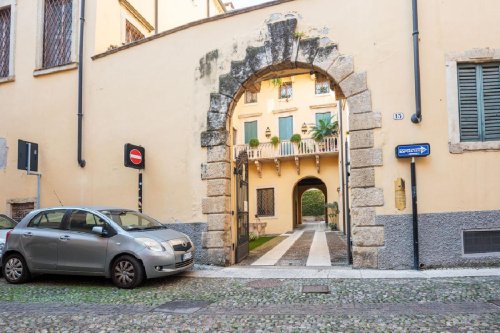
[285, 110]
[250, 115]
[323, 106]
[135, 13]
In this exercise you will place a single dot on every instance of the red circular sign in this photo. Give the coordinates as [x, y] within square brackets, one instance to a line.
[135, 156]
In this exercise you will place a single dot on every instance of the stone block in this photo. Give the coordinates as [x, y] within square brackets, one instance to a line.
[214, 138]
[367, 197]
[364, 121]
[365, 257]
[354, 84]
[219, 222]
[360, 103]
[3, 153]
[326, 56]
[362, 216]
[241, 71]
[219, 103]
[213, 239]
[228, 85]
[216, 121]
[368, 236]
[218, 187]
[361, 139]
[218, 154]
[364, 177]
[341, 68]
[216, 256]
[281, 40]
[362, 158]
[216, 205]
[307, 50]
[257, 58]
[216, 170]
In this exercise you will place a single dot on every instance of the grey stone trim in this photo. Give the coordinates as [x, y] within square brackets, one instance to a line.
[218, 154]
[362, 158]
[364, 121]
[368, 236]
[364, 177]
[194, 231]
[216, 121]
[217, 256]
[341, 68]
[367, 197]
[218, 187]
[214, 138]
[362, 216]
[354, 84]
[440, 239]
[228, 85]
[216, 205]
[216, 170]
[3, 153]
[326, 56]
[361, 139]
[365, 257]
[219, 103]
[219, 222]
[307, 50]
[360, 103]
[280, 43]
[213, 239]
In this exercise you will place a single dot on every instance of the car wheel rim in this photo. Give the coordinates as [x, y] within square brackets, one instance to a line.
[14, 269]
[124, 272]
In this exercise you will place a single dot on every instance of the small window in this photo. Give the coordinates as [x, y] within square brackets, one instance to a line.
[250, 131]
[250, 97]
[325, 116]
[132, 34]
[48, 220]
[322, 86]
[5, 18]
[57, 32]
[285, 90]
[481, 241]
[479, 102]
[82, 221]
[265, 202]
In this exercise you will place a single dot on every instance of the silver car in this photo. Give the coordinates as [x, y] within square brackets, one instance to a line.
[6, 224]
[122, 244]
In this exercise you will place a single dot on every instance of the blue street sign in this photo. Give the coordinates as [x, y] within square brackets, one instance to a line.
[414, 150]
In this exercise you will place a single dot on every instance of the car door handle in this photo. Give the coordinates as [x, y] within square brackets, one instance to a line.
[27, 234]
[64, 238]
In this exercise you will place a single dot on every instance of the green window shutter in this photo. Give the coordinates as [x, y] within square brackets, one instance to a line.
[250, 131]
[491, 101]
[285, 127]
[322, 116]
[468, 88]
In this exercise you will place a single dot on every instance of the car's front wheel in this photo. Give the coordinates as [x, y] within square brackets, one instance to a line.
[127, 272]
[15, 269]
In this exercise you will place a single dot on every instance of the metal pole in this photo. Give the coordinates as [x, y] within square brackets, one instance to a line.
[348, 214]
[156, 17]
[39, 180]
[38, 175]
[417, 116]
[415, 214]
[140, 192]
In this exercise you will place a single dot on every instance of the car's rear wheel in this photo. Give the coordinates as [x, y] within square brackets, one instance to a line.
[127, 272]
[15, 269]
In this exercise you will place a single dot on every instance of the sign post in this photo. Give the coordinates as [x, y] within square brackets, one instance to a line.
[135, 157]
[27, 159]
[412, 151]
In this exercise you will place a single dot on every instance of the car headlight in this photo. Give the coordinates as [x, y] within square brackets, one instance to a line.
[168, 248]
[151, 244]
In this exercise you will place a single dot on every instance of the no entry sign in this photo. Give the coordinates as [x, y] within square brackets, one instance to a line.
[134, 156]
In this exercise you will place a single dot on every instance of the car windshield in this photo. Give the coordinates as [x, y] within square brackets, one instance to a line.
[6, 223]
[129, 220]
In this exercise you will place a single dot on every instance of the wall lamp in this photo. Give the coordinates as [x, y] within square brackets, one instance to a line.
[304, 128]
[268, 132]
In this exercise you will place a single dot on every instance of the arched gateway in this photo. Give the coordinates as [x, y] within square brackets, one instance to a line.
[285, 49]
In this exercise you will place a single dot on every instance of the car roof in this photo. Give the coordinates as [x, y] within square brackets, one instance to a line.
[95, 208]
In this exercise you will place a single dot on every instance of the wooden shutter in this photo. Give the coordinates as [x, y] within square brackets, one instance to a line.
[491, 101]
[250, 131]
[322, 116]
[468, 87]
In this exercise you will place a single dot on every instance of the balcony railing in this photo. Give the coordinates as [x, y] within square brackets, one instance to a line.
[289, 149]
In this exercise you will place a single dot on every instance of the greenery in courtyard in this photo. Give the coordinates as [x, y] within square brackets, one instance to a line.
[259, 241]
[313, 203]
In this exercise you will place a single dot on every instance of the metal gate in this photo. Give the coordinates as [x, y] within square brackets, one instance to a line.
[241, 175]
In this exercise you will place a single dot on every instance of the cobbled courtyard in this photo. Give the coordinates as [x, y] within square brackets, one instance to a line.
[81, 304]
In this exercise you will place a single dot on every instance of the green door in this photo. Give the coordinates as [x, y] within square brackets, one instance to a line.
[285, 133]
[250, 131]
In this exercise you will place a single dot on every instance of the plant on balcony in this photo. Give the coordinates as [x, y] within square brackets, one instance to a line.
[296, 138]
[324, 128]
[254, 143]
[275, 141]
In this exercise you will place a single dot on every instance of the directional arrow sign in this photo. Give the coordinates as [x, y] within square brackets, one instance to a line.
[413, 150]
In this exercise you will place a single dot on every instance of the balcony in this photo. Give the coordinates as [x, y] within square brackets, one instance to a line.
[288, 150]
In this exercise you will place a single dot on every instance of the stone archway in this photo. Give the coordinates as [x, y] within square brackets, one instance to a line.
[303, 185]
[283, 48]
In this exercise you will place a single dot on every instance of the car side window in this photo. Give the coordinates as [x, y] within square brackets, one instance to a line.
[48, 220]
[82, 221]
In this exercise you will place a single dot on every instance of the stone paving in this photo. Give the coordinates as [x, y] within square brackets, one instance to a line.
[72, 304]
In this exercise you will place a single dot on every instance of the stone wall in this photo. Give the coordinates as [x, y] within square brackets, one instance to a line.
[194, 231]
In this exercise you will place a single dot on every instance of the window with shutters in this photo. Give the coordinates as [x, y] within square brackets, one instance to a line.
[265, 202]
[479, 102]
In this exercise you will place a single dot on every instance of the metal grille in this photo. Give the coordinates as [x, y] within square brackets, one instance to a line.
[286, 90]
[184, 263]
[132, 33]
[4, 41]
[57, 33]
[265, 202]
[250, 97]
[484, 241]
[20, 210]
[322, 86]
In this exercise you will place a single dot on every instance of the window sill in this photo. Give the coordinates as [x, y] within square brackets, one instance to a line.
[323, 94]
[7, 79]
[57, 69]
[462, 147]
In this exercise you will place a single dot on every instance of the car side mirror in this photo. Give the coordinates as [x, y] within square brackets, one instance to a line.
[99, 231]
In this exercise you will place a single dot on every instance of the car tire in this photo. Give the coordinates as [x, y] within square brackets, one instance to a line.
[127, 272]
[15, 270]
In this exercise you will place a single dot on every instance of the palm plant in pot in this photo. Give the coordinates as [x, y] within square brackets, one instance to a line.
[323, 129]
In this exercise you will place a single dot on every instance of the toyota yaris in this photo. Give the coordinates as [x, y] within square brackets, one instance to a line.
[124, 245]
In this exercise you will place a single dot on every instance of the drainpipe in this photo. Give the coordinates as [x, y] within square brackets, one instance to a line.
[81, 161]
[417, 116]
[156, 17]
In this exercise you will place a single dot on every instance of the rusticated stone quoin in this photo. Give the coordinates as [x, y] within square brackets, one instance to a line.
[257, 58]
[228, 85]
[362, 158]
[365, 257]
[219, 103]
[216, 170]
[362, 216]
[217, 256]
[214, 138]
[354, 84]
[326, 56]
[361, 139]
[341, 68]
[364, 177]
[360, 103]
[368, 236]
[216, 121]
[367, 197]
[218, 222]
[364, 121]
[213, 239]
[281, 40]
[218, 154]
[218, 187]
[216, 205]
[307, 51]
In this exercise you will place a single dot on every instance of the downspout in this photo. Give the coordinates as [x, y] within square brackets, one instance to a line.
[81, 161]
[417, 116]
[156, 17]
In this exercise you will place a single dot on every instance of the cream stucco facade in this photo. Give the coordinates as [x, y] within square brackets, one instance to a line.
[170, 89]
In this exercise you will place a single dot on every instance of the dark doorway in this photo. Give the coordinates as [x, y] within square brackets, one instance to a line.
[241, 177]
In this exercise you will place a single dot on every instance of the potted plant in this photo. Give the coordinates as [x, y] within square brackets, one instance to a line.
[323, 129]
[296, 138]
[275, 141]
[254, 143]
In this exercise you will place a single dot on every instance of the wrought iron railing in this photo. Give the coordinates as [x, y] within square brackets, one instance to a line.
[286, 148]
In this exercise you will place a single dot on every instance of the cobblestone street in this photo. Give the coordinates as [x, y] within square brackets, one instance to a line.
[53, 303]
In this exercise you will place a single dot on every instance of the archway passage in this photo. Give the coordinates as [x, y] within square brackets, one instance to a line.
[283, 52]
[313, 207]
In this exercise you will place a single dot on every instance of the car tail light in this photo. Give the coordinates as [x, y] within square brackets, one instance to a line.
[8, 235]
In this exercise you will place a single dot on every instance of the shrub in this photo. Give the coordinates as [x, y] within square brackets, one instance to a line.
[275, 141]
[254, 143]
[313, 203]
[296, 138]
